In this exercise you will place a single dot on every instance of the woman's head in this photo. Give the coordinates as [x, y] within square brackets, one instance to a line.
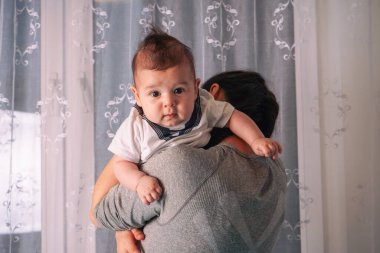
[247, 92]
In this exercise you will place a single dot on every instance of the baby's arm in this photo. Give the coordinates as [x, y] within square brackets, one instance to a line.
[245, 128]
[132, 178]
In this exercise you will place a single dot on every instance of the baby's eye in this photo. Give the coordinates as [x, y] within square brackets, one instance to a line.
[178, 90]
[154, 93]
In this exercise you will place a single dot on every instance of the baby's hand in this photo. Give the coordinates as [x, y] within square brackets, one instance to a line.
[148, 189]
[266, 147]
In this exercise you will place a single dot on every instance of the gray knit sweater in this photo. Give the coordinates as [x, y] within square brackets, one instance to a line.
[215, 200]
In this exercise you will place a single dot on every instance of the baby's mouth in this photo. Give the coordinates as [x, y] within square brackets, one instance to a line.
[170, 115]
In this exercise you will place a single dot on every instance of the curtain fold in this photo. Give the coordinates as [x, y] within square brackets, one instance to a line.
[338, 101]
[67, 125]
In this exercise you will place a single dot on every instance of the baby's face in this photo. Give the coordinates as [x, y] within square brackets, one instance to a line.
[166, 96]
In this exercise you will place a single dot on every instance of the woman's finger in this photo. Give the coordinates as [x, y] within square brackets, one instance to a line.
[138, 233]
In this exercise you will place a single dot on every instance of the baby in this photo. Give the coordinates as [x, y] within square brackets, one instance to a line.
[170, 110]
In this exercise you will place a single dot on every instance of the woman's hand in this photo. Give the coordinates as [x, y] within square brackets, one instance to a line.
[126, 241]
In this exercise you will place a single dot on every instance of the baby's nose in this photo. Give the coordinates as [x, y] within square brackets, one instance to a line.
[169, 100]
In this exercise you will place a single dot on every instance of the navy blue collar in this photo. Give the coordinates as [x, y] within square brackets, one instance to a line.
[166, 133]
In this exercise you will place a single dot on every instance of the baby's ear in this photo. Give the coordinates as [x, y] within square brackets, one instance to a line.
[136, 94]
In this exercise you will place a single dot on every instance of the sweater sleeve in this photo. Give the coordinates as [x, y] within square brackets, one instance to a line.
[121, 209]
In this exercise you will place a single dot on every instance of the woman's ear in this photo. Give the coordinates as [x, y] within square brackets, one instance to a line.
[214, 90]
[217, 92]
[136, 94]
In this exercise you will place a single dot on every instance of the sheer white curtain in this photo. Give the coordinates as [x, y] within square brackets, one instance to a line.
[338, 114]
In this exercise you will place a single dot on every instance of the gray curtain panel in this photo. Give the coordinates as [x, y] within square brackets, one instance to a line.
[223, 35]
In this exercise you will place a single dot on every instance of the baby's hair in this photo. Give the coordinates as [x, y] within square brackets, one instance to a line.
[160, 51]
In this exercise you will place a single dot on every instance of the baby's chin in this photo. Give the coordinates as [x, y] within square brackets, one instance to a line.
[174, 125]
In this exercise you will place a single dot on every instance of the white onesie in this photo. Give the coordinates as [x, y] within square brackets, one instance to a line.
[138, 138]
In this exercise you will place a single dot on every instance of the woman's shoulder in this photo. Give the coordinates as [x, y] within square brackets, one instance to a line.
[179, 158]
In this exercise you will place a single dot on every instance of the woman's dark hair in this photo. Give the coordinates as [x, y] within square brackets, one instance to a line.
[248, 93]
